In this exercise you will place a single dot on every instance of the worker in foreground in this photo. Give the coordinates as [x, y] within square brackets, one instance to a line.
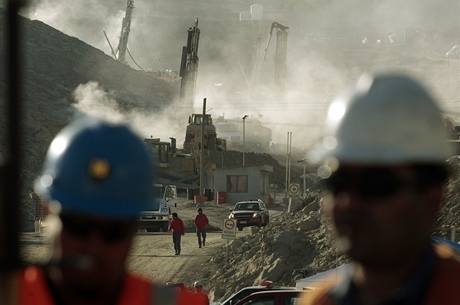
[97, 179]
[383, 160]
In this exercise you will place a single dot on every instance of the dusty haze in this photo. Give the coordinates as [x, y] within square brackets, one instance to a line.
[321, 60]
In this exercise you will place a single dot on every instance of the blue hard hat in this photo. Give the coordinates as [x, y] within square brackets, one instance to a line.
[98, 168]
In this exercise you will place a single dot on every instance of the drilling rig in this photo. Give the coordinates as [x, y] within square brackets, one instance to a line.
[189, 64]
[280, 53]
[122, 49]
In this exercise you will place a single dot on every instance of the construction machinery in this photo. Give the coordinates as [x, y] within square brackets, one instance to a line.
[192, 141]
[122, 48]
[280, 53]
[189, 65]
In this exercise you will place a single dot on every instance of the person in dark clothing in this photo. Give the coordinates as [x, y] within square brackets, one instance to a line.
[178, 229]
[201, 223]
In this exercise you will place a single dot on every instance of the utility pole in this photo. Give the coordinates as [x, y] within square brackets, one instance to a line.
[287, 165]
[288, 161]
[10, 186]
[202, 147]
[290, 157]
[244, 137]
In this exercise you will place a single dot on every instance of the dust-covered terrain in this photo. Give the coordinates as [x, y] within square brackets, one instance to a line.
[55, 65]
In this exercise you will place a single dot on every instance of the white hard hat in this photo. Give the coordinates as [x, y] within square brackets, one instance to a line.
[385, 119]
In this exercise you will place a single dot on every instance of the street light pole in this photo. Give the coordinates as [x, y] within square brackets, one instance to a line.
[202, 147]
[244, 137]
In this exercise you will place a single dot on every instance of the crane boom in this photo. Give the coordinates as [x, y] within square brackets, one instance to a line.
[280, 52]
[189, 64]
[125, 29]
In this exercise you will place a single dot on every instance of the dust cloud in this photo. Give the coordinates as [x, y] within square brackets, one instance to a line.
[330, 44]
[94, 101]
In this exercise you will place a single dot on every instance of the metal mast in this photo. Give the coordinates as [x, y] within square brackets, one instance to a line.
[280, 53]
[124, 35]
[189, 64]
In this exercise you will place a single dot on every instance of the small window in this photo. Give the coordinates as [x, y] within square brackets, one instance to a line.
[237, 183]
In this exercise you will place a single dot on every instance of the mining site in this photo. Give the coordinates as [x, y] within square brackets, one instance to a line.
[229, 97]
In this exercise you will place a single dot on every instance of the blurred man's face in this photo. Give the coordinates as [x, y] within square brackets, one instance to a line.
[93, 253]
[200, 212]
[380, 216]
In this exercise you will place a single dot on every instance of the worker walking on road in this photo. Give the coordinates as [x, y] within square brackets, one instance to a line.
[201, 224]
[178, 229]
[97, 179]
[384, 164]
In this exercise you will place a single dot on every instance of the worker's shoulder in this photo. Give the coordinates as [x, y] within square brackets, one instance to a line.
[449, 264]
[446, 278]
[318, 295]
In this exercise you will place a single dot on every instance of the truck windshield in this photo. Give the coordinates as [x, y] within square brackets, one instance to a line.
[247, 206]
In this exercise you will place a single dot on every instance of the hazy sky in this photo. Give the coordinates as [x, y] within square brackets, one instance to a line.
[159, 30]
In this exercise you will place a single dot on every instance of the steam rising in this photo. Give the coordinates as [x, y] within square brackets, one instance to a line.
[330, 44]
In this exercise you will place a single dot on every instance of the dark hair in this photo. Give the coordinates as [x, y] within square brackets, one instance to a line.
[174, 214]
[431, 174]
[200, 209]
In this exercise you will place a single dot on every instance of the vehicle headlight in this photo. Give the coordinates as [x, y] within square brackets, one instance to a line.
[255, 215]
[231, 216]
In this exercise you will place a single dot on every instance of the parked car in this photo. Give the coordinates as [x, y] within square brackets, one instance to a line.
[250, 213]
[272, 297]
[246, 291]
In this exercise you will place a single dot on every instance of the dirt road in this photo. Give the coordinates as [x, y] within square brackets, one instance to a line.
[153, 253]
[153, 256]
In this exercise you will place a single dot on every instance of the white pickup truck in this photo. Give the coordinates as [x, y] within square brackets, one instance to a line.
[158, 220]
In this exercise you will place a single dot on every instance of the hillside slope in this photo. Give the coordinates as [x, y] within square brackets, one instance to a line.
[54, 66]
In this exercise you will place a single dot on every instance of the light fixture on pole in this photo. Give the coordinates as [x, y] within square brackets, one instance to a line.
[244, 136]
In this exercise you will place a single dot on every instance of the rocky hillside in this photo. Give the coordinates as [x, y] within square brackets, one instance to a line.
[54, 65]
[296, 245]
[293, 246]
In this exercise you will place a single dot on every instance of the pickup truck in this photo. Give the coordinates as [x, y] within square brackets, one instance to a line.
[158, 220]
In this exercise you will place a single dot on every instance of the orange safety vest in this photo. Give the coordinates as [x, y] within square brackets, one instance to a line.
[33, 290]
[443, 289]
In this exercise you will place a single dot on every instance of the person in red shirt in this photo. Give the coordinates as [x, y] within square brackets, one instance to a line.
[178, 229]
[201, 223]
